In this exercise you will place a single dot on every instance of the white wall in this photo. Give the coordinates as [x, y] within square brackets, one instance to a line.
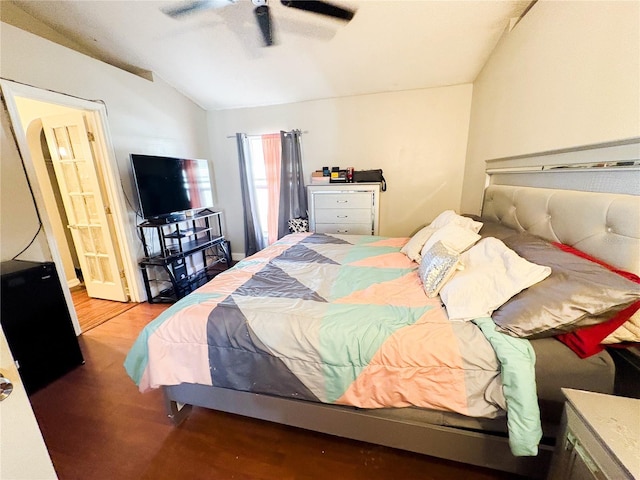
[567, 75]
[417, 137]
[18, 216]
[144, 117]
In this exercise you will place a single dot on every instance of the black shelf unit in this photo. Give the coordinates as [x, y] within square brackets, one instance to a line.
[36, 322]
[182, 255]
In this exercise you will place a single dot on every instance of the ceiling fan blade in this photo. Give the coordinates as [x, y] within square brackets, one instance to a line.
[323, 8]
[197, 6]
[264, 22]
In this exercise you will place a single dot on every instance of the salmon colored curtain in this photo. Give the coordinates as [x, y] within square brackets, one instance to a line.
[272, 151]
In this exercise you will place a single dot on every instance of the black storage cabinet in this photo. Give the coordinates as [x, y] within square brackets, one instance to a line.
[36, 323]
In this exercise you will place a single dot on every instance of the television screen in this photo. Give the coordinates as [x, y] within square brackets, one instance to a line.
[168, 185]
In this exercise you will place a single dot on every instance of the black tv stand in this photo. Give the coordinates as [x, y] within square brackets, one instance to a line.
[182, 255]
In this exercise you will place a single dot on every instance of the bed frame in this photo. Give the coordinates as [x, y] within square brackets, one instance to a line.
[605, 225]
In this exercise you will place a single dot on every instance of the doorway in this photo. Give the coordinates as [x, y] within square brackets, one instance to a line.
[28, 106]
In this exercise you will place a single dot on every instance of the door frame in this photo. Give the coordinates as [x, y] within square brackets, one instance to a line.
[97, 114]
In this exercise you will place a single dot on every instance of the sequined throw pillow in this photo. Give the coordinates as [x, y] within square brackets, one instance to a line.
[437, 266]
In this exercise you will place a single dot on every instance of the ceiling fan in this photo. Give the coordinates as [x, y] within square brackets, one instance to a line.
[262, 14]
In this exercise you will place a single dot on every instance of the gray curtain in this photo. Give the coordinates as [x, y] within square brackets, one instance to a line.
[253, 239]
[293, 198]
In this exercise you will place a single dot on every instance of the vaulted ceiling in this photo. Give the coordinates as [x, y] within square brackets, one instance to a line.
[217, 56]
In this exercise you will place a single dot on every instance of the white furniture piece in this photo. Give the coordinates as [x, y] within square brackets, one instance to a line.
[600, 438]
[350, 208]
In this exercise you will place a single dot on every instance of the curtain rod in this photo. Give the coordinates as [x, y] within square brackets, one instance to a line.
[259, 135]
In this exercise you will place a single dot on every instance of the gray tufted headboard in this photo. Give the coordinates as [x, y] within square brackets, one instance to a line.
[604, 225]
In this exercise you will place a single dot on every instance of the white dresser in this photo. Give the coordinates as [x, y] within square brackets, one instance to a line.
[600, 438]
[350, 208]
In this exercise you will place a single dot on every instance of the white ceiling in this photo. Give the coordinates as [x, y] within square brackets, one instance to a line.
[216, 57]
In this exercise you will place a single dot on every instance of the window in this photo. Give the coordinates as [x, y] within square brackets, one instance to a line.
[276, 162]
[264, 151]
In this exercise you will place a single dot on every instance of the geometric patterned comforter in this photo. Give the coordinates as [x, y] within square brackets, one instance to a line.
[340, 319]
[328, 318]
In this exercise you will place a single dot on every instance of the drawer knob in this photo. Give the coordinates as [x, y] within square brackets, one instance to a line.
[342, 216]
[6, 387]
[342, 201]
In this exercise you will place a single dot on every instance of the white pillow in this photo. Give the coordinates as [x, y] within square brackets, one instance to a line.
[454, 237]
[492, 274]
[450, 217]
[437, 266]
[413, 247]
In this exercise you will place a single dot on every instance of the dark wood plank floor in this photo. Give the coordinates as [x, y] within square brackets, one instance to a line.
[98, 426]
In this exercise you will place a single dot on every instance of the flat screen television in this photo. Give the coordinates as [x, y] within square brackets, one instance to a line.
[168, 187]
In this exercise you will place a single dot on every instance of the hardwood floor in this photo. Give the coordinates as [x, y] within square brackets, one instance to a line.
[98, 426]
[93, 312]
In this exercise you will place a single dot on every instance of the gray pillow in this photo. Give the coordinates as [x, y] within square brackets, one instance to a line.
[578, 293]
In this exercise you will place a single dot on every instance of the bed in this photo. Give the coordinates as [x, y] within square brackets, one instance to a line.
[229, 346]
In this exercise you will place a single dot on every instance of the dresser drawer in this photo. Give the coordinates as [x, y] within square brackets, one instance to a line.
[343, 200]
[347, 215]
[345, 229]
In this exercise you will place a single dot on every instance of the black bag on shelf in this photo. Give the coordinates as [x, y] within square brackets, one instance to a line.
[370, 176]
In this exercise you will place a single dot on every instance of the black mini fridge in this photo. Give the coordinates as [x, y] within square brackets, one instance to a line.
[36, 323]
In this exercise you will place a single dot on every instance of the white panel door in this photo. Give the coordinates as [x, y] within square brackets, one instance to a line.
[79, 181]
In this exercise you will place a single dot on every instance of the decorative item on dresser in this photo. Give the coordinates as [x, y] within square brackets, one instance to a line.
[350, 209]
